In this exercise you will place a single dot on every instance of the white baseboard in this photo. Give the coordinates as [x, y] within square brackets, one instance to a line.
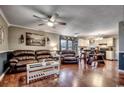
[119, 70]
[3, 74]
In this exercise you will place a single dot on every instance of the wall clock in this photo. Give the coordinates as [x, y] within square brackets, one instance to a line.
[1, 34]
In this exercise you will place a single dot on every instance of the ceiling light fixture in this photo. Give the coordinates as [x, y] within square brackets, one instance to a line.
[51, 24]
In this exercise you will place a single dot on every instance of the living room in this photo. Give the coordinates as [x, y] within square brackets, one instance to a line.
[86, 46]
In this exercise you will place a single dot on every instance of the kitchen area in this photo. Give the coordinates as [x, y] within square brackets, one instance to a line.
[107, 45]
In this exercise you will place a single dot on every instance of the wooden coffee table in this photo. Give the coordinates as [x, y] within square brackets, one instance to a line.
[40, 70]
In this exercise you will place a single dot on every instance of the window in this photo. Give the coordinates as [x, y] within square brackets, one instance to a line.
[69, 45]
[63, 44]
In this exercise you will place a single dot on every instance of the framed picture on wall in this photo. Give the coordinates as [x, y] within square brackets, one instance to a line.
[33, 39]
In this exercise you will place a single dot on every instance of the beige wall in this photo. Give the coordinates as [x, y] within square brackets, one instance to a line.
[15, 32]
[4, 45]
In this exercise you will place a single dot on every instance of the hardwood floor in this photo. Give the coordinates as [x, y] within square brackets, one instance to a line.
[73, 75]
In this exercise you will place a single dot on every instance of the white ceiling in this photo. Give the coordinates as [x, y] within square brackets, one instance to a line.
[84, 19]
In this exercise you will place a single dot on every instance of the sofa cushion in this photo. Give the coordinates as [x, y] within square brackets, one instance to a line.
[68, 55]
[47, 59]
[42, 52]
[21, 58]
[70, 58]
[25, 62]
[13, 60]
[43, 56]
[23, 52]
[70, 62]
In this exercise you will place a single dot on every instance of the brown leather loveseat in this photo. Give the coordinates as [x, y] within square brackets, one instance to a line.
[68, 56]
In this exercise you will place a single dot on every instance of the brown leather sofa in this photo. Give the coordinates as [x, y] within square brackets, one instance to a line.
[43, 54]
[20, 58]
[68, 56]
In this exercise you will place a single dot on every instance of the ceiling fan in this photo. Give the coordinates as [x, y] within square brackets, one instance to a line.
[50, 20]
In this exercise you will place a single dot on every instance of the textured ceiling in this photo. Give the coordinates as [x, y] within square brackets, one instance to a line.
[85, 20]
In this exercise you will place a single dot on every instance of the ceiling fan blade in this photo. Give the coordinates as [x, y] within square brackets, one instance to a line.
[40, 19]
[40, 24]
[62, 23]
[37, 17]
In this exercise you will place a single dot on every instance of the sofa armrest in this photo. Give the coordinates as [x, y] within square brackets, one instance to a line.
[61, 56]
[77, 56]
[13, 61]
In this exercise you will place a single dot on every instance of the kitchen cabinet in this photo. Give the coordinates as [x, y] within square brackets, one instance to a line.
[110, 42]
[83, 42]
[105, 41]
[110, 55]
